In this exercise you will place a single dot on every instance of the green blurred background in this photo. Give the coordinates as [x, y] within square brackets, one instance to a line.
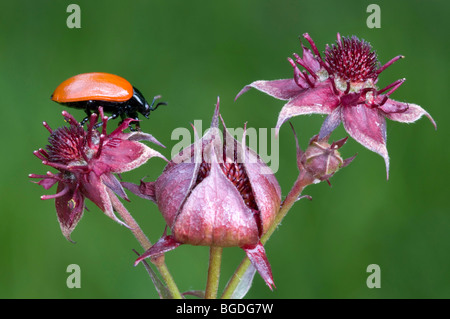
[191, 52]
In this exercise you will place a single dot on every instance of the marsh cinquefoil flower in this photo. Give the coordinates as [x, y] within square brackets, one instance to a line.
[342, 85]
[215, 193]
[86, 161]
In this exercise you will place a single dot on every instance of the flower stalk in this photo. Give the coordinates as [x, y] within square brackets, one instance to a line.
[215, 260]
[134, 227]
[130, 221]
[318, 163]
[302, 181]
[86, 161]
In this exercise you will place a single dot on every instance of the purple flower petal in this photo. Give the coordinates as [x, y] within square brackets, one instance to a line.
[45, 182]
[258, 258]
[318, 100]
[170, 196]
[368, 127]
[113, 183]
[144, 190]
[164, 244]
[141, 136]
[284, 89]
[95, 190]
[265, 186]
[391, 106]
[412, 114]
[331, 122]
[232, 224]
[120, 156]
[69, 209]
[310, 60]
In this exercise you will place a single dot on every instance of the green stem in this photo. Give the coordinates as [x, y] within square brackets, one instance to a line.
[212, 284]
[145, 243]
[303, 180]
[168, 279]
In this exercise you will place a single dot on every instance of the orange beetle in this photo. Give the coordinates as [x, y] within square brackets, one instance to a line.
[116, 95]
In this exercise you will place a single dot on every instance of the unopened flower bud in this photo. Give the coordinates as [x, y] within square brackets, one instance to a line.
[216, 193]
[321, 159]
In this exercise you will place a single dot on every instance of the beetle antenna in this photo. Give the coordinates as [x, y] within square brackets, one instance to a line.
[160, 103]
[153, 102]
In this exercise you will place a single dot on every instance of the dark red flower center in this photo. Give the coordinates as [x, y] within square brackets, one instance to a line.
[235, 172]
[66, 145]
[351, 60]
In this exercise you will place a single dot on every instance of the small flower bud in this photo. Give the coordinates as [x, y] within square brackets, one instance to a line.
[321, 159]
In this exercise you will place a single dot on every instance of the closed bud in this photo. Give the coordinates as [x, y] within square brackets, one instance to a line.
[216, 192]
[321, 159]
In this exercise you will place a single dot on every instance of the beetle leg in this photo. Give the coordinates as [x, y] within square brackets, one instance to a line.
[113, 116]
[88, 115]
[137, 127]
[84, 120]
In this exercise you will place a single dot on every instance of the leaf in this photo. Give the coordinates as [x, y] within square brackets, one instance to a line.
[161, 288]
[196, 293]
[245, 283]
